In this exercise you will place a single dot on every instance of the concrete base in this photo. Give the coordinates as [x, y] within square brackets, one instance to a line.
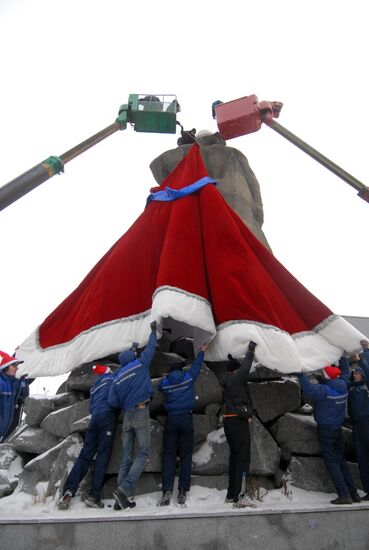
[346, 528]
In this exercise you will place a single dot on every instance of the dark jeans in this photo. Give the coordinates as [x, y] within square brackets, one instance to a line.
[98, 440]
[333, 451]
[361, 439]
[178, 434]
[237, 432]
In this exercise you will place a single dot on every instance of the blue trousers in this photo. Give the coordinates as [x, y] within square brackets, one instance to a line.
[361, 439]
[98, 440]
[178, 434]
[136, 429]
[333, 451]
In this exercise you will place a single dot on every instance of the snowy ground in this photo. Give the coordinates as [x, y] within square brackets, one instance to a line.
[200, 502]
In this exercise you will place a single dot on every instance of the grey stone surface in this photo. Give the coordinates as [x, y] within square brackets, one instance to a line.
[164, 342]
[28, 482]
[264, 450]
[35, 441]
[213, 409]
[203, 424]
[259, 372]
[7, 455]
[183, 347]
[5, 486]
[207, 390]
[44, 463]
[162, 361]
[211, 458]
[317, 529]
[11, 465]
[274, 398]
[60, 422]
[298, 433]
[81, 379]
[305, 409]
[68, 452]
[219, 482]
[81, 425]
[235, 179]
[310, 473]
[36, 409]
[62, 388]
[64, 399]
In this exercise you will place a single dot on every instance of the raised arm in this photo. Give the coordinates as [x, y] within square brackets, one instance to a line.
[148, 354]
[345, 370]
[194, 371]
[316, 391]
[242, 374]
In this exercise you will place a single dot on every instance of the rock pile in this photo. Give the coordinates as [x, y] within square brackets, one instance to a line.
[38, 456]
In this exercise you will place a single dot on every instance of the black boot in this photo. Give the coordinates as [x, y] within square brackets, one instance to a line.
[65, 500]
[165, 499]
[93, 502]
[181, 497]
[342, 500]
[355, 497]
[122, 500]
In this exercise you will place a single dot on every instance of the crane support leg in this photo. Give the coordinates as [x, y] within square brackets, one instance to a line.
[363, 191]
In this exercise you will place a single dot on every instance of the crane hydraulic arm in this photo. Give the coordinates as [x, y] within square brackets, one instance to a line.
[246, 115]
[146, 113]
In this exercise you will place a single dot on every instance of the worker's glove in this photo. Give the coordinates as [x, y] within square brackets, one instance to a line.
[153, 326]
[252, 346]
[134, 347]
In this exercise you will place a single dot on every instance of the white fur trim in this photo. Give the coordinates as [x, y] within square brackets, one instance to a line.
[276, 349]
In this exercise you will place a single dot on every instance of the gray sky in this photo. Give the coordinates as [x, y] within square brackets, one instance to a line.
[68, 65]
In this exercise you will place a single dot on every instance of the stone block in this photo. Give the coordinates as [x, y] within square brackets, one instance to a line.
[60, 422]
[7, 455]
[81, 379]
[211, 458]
[35, 441]
[184, 348]
[36, 409]
[162, 361]
[65, 459]
[264, 450]
[207, 390]
[203, 424]
[298, 433]
[81, 425]
[274, 398]
[310, 473]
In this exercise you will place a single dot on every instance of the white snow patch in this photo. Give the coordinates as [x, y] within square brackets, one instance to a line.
[203, 455]
[200, 500]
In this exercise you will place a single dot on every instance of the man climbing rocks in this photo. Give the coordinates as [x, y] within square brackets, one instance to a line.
[132, 391]
[98, 440]
[179, 395]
